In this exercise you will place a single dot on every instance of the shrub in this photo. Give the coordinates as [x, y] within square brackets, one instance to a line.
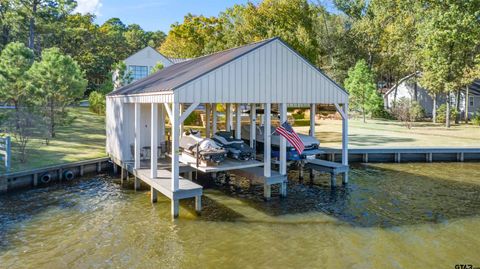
[97, 102]
[417, 112]
[476, 118]
[442, 112]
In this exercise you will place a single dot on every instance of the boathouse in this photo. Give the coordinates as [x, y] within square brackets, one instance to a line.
[258, 75]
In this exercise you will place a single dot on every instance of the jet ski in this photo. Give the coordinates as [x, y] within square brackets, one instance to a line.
[206, 150]
[310, 143]
[237, 149]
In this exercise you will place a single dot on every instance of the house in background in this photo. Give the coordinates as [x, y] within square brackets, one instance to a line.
[408, 88]
[141, 63]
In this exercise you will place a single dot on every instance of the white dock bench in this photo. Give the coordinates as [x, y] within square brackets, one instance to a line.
[255, 174]
[333, 168]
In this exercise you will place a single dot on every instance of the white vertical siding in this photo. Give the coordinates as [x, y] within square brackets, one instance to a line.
[273, 73]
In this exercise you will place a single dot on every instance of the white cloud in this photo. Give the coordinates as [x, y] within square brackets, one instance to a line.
[88, 6]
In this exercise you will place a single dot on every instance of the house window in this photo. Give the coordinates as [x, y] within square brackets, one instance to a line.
[470, 102]
[138, 71]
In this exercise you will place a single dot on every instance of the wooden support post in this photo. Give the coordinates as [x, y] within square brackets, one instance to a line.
[253, 125]
[312, 120]
[267, 191]
[181, 123]
[154, 141]
[122, 174]
[283, 142]
[115, 168]
[81, 170]
[238, 122]
[365, 158]
[398, 157]
[198, 204]
[175, 146]
[35, 180]
[153, 195]
[190, 175]
[137, 137]
[462, 156]
[99, 167]
[136, 183]
[175, 203]
[332, 157]
[214, 118]
[207, 120]
[333, 179]
[228, 117]
[267, 145]
[283, 189]
[161, 130]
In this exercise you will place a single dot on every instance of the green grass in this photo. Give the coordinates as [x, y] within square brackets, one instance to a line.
[390, 133]
[83, 139]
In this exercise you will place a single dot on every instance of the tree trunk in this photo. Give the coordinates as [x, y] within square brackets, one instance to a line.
[434, 109]
[363, 112]
[31, 28]
[415, 90]
[457, 107]
[467, 103]
[447, 112]
[52, 118]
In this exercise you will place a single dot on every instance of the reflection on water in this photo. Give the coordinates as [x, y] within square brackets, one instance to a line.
[389, 215]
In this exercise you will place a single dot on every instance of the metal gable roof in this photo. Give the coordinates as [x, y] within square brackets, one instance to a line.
[178, 74]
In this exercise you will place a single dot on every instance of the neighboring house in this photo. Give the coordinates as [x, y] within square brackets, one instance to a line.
[407, 89]
[141, 63]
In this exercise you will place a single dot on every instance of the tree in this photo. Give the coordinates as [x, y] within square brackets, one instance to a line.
[157, 67]
[121, 76]
[450, 32]
[361, 87]
[15, 61]
[58, 81]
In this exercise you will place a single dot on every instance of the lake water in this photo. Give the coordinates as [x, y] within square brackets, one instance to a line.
[389, 216]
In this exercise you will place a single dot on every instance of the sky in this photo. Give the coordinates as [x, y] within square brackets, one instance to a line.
[153, 15]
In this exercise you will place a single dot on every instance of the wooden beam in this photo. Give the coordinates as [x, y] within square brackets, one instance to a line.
[169, 111]
[207, 120]
[228, 117]
[189, 111]
[238, 122]
[175, 145]
[253, 124]
[267, 145]
[312, 120]
[340, 110]
[137, 137]
[214, 118]
[154, 141]
[283, 142]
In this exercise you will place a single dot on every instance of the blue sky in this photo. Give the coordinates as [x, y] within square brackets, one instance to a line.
[155, 15]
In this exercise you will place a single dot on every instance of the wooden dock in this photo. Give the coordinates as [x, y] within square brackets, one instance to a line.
[163, 182]
[398, 155]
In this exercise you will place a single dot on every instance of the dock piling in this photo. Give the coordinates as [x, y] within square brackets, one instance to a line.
[198, 204]
[175, 207]
[153, 195]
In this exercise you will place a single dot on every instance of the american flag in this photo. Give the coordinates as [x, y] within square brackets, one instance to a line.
[287, 131]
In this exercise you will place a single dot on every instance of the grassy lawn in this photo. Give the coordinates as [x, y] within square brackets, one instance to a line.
[383, 133]
[83, 139]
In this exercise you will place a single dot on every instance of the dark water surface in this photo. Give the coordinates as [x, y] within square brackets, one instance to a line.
[389, 216]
